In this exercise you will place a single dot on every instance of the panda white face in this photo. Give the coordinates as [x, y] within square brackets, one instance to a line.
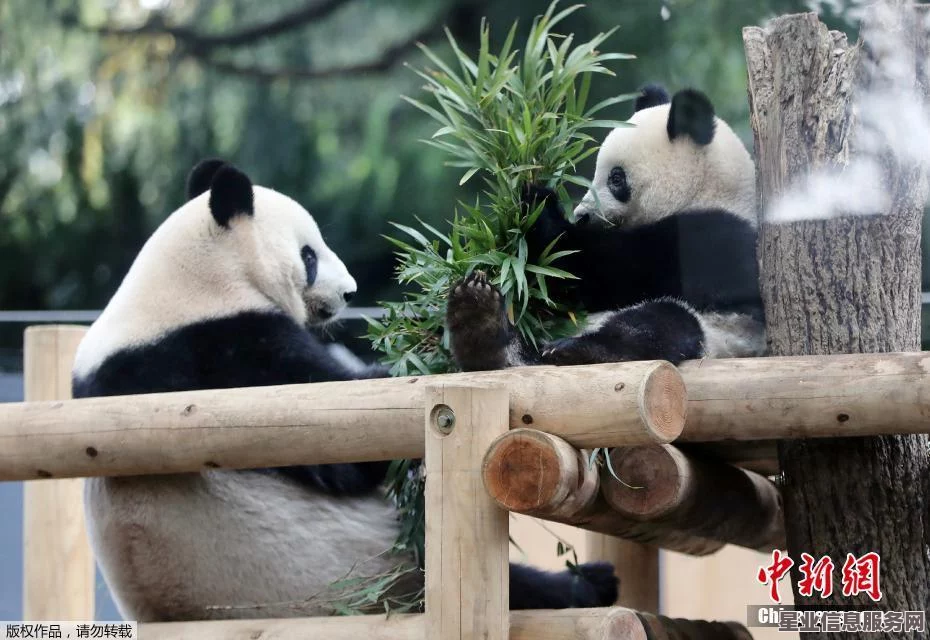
[232, 248]
[676, 157]
[289, 260]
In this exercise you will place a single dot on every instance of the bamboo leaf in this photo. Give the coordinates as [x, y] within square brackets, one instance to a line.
[469, 174]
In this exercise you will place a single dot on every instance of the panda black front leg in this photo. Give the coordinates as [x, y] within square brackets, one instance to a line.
[478, 326]
[581, 350]
[593, 584]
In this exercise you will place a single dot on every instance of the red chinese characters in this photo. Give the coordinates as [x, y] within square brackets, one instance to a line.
[816, 577]
[861, 575]
[773, 573]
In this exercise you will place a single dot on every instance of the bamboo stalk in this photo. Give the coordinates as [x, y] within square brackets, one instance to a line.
[686, 493]
[467, 568]
[58, 566]
[627, 403]
[538, 474]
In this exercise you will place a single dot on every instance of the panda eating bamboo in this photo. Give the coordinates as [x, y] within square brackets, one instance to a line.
[665, 247]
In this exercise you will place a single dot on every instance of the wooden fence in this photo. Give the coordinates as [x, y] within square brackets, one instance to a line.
[492, 442]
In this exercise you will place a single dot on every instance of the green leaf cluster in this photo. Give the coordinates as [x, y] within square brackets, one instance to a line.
[512, 119]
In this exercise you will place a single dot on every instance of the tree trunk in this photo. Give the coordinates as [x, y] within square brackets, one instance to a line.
[847, 284]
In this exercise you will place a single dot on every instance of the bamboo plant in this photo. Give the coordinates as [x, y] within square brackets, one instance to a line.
[511, 119]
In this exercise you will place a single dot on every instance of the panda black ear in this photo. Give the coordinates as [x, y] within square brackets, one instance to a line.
[691, 114]
[651, 95]
[230, 195]
[200, 177]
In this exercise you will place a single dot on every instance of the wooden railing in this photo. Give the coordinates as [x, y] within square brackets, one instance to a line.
[465, 426]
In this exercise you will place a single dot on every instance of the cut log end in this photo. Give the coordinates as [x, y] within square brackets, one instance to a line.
[703, 497]
[663, 402]
[527, 471]
[654, 479]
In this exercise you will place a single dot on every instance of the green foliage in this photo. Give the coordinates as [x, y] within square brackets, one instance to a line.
[513, 125]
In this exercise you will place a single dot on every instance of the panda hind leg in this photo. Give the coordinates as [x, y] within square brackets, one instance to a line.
[481, 336]
[663, 329]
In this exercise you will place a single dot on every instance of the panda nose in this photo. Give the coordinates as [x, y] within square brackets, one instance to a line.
[348, 295]
[584, 218]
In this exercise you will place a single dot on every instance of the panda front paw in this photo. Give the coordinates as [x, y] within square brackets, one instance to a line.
[602, 585]
[477, 323]
[474, 301]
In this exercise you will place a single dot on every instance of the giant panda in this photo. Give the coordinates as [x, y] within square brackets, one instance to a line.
[219, 297]
[664, 248]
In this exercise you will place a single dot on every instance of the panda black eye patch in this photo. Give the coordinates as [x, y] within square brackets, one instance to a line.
[309, 258]
[618, 185]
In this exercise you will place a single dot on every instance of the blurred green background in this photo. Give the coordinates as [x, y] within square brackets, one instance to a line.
[106, 104]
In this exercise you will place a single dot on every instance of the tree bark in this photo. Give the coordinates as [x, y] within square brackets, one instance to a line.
[848, 284]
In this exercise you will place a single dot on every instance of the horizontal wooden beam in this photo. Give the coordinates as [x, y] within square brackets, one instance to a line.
[760, 456]
[863, 394]
[614, 623]
[664, 628]
[603, 405]
[665, 486]
[593, 406]
[538, 474]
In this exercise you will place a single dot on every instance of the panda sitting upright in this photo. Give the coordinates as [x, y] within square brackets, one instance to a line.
[665, 247]
[219, 297]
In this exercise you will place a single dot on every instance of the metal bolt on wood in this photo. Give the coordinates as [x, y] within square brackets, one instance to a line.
[443, 418]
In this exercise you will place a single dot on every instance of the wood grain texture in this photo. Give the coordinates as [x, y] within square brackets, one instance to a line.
[467, 561]
[614, 623]
[58, 565]
[530, 473]
[736, 399]
[687, 493]
[663, 628]
[565, 624]
[627, 403]
[844, 285]
[760, 456]
[809, 397]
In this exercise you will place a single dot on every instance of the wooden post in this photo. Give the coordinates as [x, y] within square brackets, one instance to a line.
[467, 564]
[58, 566]
[846, 284]
[636, 565]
